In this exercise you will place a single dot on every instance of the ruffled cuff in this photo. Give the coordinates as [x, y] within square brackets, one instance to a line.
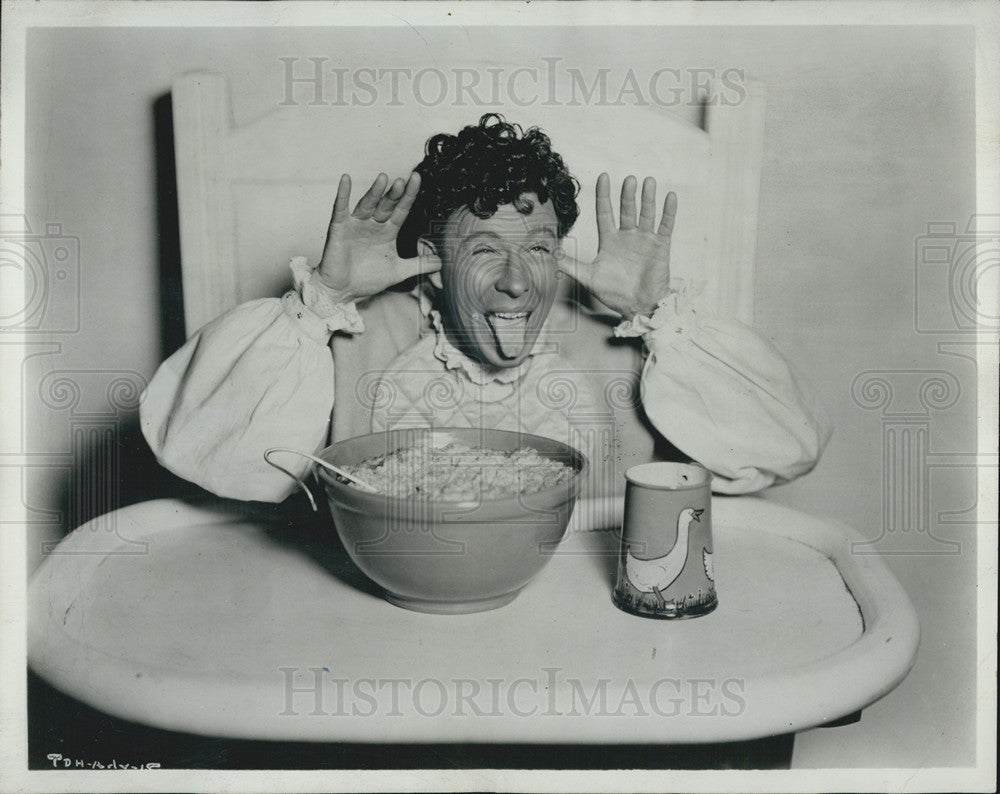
[315, 307]
[674, 315]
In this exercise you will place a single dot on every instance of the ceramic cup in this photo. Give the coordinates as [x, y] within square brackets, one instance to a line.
[665, 567]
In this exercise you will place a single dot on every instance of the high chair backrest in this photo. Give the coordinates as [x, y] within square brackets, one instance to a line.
[252, 196]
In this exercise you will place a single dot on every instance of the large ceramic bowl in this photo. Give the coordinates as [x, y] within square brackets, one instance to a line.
[450, 556]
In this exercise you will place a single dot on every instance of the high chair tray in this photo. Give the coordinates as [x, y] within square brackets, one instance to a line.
[226, 619]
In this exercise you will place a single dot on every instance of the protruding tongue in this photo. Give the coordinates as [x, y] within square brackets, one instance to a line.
[509, 333]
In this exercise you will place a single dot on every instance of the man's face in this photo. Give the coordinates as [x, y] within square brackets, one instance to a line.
[499, 279]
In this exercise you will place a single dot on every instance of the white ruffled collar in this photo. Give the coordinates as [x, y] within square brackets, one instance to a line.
[453, 358]
[478, 372]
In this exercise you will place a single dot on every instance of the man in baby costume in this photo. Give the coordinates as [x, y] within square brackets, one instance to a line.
[493, 335]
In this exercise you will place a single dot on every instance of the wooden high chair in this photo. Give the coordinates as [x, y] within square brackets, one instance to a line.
[220, 627]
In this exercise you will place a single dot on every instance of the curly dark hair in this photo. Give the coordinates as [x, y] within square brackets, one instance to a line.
[483, 167]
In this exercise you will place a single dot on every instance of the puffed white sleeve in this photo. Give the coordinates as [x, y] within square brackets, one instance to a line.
[260, 376]
[726, 397]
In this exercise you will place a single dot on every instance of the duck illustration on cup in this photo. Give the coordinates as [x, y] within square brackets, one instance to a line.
[655, 576]
[674, 582]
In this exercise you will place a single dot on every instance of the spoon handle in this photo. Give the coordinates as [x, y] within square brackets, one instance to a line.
[281, 468]
[324, 463]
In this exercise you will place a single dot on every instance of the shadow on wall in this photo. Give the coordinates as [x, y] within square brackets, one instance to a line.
[113, 467]
[109, 464]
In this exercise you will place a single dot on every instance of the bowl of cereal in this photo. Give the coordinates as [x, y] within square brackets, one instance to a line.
[452, 520]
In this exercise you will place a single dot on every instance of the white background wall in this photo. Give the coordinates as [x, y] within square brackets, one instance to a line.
[869, 138]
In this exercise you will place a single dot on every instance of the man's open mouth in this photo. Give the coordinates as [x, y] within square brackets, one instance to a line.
[509, 329]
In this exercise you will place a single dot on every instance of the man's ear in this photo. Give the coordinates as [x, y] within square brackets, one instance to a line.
[430, 262]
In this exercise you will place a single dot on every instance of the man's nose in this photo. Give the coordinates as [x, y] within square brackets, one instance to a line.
[513, 280]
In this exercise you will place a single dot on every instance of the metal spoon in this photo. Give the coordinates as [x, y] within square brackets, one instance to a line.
[324, 463]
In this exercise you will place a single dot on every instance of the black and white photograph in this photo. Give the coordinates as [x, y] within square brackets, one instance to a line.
[499, 396]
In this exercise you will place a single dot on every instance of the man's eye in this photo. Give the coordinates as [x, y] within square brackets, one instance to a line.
[483, 249]
[540, 247]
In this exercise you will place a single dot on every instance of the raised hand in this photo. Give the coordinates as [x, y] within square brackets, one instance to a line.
[632, 270]
[359, 258]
